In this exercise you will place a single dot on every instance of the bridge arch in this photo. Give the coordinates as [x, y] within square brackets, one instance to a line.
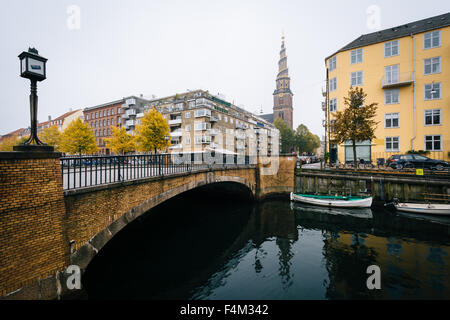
[168, 188]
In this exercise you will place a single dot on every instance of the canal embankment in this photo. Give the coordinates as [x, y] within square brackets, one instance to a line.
[382, 185]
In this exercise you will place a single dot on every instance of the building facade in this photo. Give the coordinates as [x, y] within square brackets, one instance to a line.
[102, 118]
[201, 122]
[406, 70]
[282, 96]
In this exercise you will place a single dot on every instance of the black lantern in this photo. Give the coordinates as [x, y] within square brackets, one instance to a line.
[32, 66]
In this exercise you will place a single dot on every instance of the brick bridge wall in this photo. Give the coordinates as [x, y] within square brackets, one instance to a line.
[90, 217]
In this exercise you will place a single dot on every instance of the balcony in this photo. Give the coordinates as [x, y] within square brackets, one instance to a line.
[214, 132]
[175, 122]
[130, 123]
[125, 116]
[176, 146]
[130, 112]
[240, 147]
[125, 106]
[213, 145]
[204, 102]
[241, 126]
[130, 102]
[213, 119]
[176, 133]
[140, 115]
[396, 81]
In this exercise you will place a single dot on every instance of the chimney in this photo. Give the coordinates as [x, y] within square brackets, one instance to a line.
[49, 118]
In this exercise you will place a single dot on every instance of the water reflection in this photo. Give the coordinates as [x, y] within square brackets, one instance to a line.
[273, 250]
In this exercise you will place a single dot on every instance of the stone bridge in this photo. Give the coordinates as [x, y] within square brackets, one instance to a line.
[44, 229]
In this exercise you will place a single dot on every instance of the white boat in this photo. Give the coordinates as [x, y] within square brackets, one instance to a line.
[428, 208]
[333, 201]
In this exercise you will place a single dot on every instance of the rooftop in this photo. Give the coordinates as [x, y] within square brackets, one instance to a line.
[405, 30]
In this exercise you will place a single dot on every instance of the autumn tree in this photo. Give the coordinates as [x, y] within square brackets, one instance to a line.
[287, 135]
[150, 134]
[306, 141]
[356, 122]
[51, 136]
[7, 143]
[121, 142]
[78, 138]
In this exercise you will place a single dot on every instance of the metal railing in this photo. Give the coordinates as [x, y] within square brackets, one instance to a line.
[87, 171]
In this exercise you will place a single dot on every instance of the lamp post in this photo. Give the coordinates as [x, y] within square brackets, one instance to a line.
[166, 137]
[33, 67]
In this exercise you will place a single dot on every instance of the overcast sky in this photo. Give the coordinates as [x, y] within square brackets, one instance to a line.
[100, 51]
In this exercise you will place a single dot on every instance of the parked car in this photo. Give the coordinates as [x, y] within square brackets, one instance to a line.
[400, 161]
[304, 159]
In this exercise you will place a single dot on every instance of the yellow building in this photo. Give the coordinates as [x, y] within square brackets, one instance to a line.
[406, 70]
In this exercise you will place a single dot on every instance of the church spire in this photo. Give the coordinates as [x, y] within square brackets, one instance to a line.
[282, 107]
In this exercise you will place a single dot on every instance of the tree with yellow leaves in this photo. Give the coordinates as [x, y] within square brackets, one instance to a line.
[78, 138]
[151, 133]
[51, 136]
[7, 144]
[121, 142]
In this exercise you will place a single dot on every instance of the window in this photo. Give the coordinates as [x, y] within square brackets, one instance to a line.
[188, 140]
[87, 117]
[225, 118]
[112, 112]
[96, 116]
[333, 84]
[112, 121]
[391, 74]
[187, 128]
[104, 123]
[392, 96]
[333, 105]
[433, 143]
[201, 126]
[231, 120]
[391, 49]
[107, 112]
[356, 78]
[432, 65]
[392, 144]
[432, 117]
[118, 110]
[187, 115]
[332, 64]
[356, 56]
[392, 120]
[220, 116]
[202, 113]
[104, 113]
[432, 91]
[432, 40]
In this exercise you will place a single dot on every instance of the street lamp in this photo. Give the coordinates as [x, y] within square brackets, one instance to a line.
[32, 66]
[166, 137]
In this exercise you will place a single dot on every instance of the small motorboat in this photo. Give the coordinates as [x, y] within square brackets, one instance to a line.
[426, 208]
[333, 201]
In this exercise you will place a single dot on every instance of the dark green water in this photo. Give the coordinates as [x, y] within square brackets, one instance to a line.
[203, 247]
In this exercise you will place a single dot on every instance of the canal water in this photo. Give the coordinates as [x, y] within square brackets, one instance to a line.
[200, 246]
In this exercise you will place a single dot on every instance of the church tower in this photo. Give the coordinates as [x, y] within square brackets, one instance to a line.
[282, 96]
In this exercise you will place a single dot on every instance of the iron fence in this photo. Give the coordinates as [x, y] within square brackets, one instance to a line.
[86, 171]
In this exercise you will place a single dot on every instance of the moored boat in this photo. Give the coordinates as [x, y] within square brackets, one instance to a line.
[333, 201]
[426, 208]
